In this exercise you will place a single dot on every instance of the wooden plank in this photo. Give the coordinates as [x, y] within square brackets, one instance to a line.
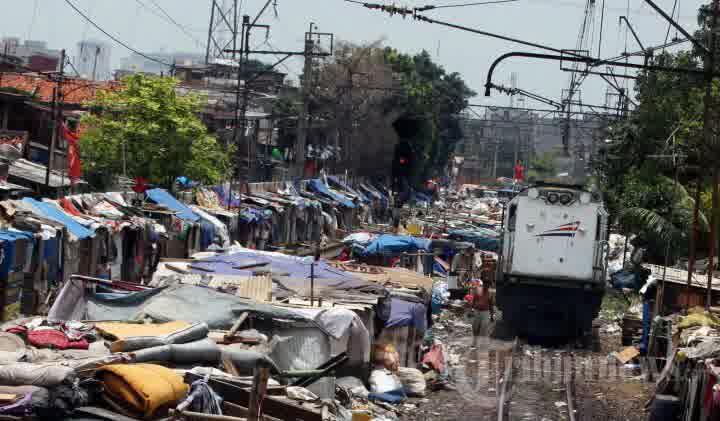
[258, 288]
[251, 265]
[627, 354]
[273, 406]
[229, 366]
[201, 268]
[258, 393]
[177, 269]
[237, 324]
[240, 411]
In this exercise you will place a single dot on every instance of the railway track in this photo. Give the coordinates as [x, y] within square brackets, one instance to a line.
[530, 394]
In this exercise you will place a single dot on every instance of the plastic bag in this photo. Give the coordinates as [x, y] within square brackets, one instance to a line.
[354, 385]
[413, 381]
[383, 381]
[300, 394]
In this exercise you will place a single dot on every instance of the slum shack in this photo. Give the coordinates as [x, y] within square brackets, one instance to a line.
[148, 308]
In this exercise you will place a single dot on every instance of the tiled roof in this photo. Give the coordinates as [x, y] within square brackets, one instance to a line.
[76, 91]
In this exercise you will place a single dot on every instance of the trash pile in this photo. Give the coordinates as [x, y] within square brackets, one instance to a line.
[691, 347]
[151, 306]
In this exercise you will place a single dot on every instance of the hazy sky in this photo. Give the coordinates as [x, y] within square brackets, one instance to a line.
[551, 22]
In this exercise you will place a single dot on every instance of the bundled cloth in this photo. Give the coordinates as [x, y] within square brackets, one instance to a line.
[184, 335]
[142, 390]
[48, 375]
[413, 381]
[29, 400]
[205, 350]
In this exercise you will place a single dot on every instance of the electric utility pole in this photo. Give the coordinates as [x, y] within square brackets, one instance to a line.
[302, 127]
[708, 107]
[56, 117]
[312, 42]
[707, 136]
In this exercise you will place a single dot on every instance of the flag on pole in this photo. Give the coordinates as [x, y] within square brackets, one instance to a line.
[73, 154]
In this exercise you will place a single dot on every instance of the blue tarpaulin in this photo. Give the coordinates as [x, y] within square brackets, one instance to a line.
[162, 197]
[320, 187]
[334, 181]
[483, 239]
[226, 198]
[417, 196]
[7, 242]
[396, 244]
[406, 313]
[294, 267]
[50, 211]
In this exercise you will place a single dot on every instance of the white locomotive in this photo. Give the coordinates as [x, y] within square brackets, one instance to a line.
[551, 273]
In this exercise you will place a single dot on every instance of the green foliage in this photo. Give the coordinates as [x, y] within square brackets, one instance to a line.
[659, 210]
[637, 172]
[437, 97]
[543, 166]
[16, 91]
[155, 131]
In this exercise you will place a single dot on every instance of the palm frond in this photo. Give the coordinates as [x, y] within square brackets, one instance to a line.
[649, 221]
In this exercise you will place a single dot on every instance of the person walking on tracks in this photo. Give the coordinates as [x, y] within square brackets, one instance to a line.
[480, 307]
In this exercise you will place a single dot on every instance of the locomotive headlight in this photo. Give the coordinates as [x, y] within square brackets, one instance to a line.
[552, 198]
[585, 198]
[533, 193]
[565, 199]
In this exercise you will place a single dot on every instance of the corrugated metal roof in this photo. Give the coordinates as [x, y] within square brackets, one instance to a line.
[4, 186]
[35, 172]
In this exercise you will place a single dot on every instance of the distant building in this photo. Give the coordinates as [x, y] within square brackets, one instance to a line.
[491, 145]
[139, 64]
[31, 54]
[92, 60]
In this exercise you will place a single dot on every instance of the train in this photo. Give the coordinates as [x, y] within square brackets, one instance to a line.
[551, 270]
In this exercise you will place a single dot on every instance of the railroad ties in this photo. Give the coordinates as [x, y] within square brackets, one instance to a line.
[543, 389]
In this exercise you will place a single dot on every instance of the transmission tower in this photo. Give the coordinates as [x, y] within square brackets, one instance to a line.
[223, 30]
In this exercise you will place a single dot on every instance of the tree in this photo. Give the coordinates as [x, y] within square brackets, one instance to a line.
[146, 129]
[353, 93]
[543, 166]
[436, 96]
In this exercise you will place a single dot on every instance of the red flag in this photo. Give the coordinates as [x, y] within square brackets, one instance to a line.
[73, 154]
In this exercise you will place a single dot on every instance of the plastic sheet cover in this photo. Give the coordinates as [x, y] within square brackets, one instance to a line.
[162, 197]
[406, 313]
[219, 310]
[396, 244]
[189, 303]
[337, 183]
[277, 263]
[484, 239]
[50, 211]
[319, 187]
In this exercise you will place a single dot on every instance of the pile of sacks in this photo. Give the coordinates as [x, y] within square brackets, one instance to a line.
[48, 370]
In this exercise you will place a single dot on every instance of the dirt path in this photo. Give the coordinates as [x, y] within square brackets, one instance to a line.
[603, 390]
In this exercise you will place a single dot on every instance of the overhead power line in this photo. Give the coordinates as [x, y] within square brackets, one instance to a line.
[444, 6]
[481, 3]
[112, 37]
[172, 21]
